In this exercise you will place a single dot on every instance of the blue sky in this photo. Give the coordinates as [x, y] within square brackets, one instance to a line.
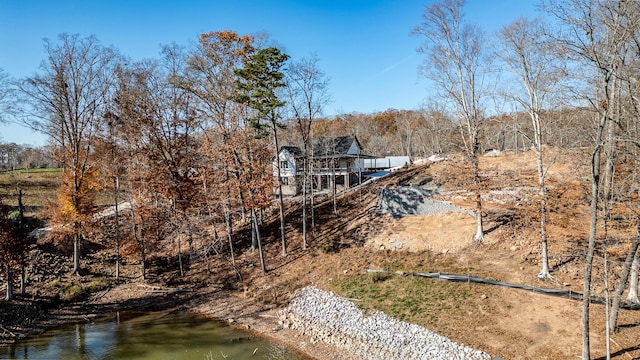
[364, 46]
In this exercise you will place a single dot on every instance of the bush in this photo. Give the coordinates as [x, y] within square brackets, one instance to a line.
[72, 292]
[380, 276]
[14, 215]
[330, 245]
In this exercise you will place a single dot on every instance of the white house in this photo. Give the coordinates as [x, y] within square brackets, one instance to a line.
[334, 165]
[291, 169]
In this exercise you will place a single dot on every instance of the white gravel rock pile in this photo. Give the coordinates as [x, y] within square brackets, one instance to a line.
[414, 201]
[337, 321]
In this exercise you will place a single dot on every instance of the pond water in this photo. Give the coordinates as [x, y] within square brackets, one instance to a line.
[157, 335]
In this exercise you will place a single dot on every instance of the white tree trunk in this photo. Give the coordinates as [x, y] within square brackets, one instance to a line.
[617, 298]
[117, 215]
[76, 254]
[633, 281]
[9, 296]
[479, 236]
[544, 273]
[304, 204]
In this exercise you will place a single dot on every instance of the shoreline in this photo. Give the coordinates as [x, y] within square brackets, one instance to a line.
[239, 311]
[227, 306]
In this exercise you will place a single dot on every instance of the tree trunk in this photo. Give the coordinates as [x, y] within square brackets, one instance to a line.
[312, 197]
[280, 199]
[20, 208]
[610, 154]
[180, 255]
[615, 306]
[143, 259]
[254, 239]
[255, 224]
[76, 254]
[593, 223]
[228, 216]
[189, 238]
[334, 187]
[23, 281]
[233, 256]
[479, 236]
[23, 270]
[633, 281]
[9, 285]
[304, 203]
[242, 204]
[607, 306]
[544, 273]
[115, 198]
[137, 235]
[230, 238]
[177, 221]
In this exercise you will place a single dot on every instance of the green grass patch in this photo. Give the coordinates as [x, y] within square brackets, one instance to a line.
[37, 186]
[427, 302]
[99, 284]
[72, 292]
[38, 171]
[77, 289]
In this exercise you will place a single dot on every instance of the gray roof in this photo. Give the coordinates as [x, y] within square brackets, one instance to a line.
[329, 147]
[333, 147]
[293, 150]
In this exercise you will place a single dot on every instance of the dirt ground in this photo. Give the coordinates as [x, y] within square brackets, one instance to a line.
[509, 323]
[443, 233]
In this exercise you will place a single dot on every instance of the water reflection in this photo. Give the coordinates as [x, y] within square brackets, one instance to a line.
[157, 335]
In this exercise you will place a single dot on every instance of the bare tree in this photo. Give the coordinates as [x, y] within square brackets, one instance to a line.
[159, 121]
[457, 63]
[595, 35]
[408, 122]
[210, 77]
[527, 53]
[67, 101]
[307, 90]
[623, 129]
[7, 100]
[436, 130]
[112, 158]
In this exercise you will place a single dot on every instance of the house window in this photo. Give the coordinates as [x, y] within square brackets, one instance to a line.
[284, 164]
[284, 180]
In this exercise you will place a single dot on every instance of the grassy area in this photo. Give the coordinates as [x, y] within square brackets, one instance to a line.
[37, 171]
[37, 185]
[75, 290]
[435, 304]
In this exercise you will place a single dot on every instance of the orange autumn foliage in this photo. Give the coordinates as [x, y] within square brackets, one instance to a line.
[74, 205]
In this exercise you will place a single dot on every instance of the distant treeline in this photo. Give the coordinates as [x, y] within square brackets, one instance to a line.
[428, 131]
[14, 156]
